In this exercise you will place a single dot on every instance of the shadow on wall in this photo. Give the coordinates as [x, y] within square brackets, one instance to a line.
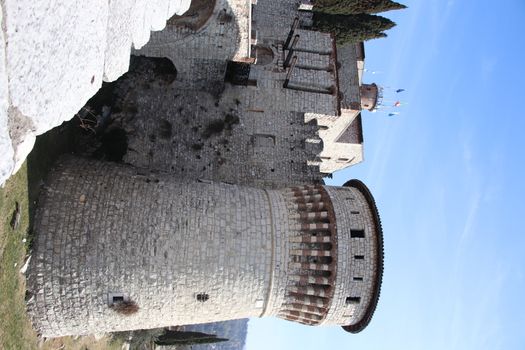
[48, 148]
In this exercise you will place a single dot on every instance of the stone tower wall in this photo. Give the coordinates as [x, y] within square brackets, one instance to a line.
[109, 229]
[195, 252]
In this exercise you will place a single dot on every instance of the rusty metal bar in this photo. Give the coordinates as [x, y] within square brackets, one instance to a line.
[289, 75]
[290, 51]
[295, 24]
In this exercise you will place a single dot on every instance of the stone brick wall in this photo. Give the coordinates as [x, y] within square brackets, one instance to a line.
[260, 144]
[280, 13]
[348, 76]
[225, 36]
[191, 252]
[104, 228]
[316, 87]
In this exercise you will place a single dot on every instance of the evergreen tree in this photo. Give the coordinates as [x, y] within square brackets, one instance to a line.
[349, 7]
[352, 28]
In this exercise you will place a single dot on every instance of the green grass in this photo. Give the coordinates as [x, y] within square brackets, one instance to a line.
[15, 328]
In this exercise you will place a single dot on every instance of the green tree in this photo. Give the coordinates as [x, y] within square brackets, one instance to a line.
[352, 28]
[349, 7]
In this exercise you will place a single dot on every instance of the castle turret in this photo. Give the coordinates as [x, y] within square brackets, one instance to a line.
[118, 248]
[370, 94]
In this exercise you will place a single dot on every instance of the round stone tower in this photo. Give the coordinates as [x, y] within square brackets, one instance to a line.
[119, 248]
[369, 96]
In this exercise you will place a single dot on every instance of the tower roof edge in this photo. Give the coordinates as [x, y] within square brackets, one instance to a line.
[376, 290]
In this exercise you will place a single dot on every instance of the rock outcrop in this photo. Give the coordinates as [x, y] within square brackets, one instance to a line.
[54, 55]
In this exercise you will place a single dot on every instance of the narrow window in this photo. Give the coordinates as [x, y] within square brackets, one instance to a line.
[357, 233]
[354, 212]
[353, 300]
[359, 257]
[202, 297]
[117, 299]
[358, 278]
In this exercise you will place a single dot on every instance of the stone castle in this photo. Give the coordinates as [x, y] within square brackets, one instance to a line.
[220, 212]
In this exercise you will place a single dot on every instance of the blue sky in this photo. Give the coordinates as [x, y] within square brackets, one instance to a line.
[448, 176]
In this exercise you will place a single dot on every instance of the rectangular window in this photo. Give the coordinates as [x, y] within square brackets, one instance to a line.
[357, 233]
[117, 298]
[353, 300]
[354, 212]
[358, 278]
[359, 257]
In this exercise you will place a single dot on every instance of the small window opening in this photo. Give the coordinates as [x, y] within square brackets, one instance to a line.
[353, 300]
[117, 299]
[357, 233]
[358, 278]
[202, 297]
[359, 257]
[354, 212]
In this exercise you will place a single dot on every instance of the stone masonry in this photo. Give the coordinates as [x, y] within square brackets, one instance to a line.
[323, 87]
[197, 252]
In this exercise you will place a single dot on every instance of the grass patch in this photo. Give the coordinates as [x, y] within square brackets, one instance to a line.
[15, 328]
